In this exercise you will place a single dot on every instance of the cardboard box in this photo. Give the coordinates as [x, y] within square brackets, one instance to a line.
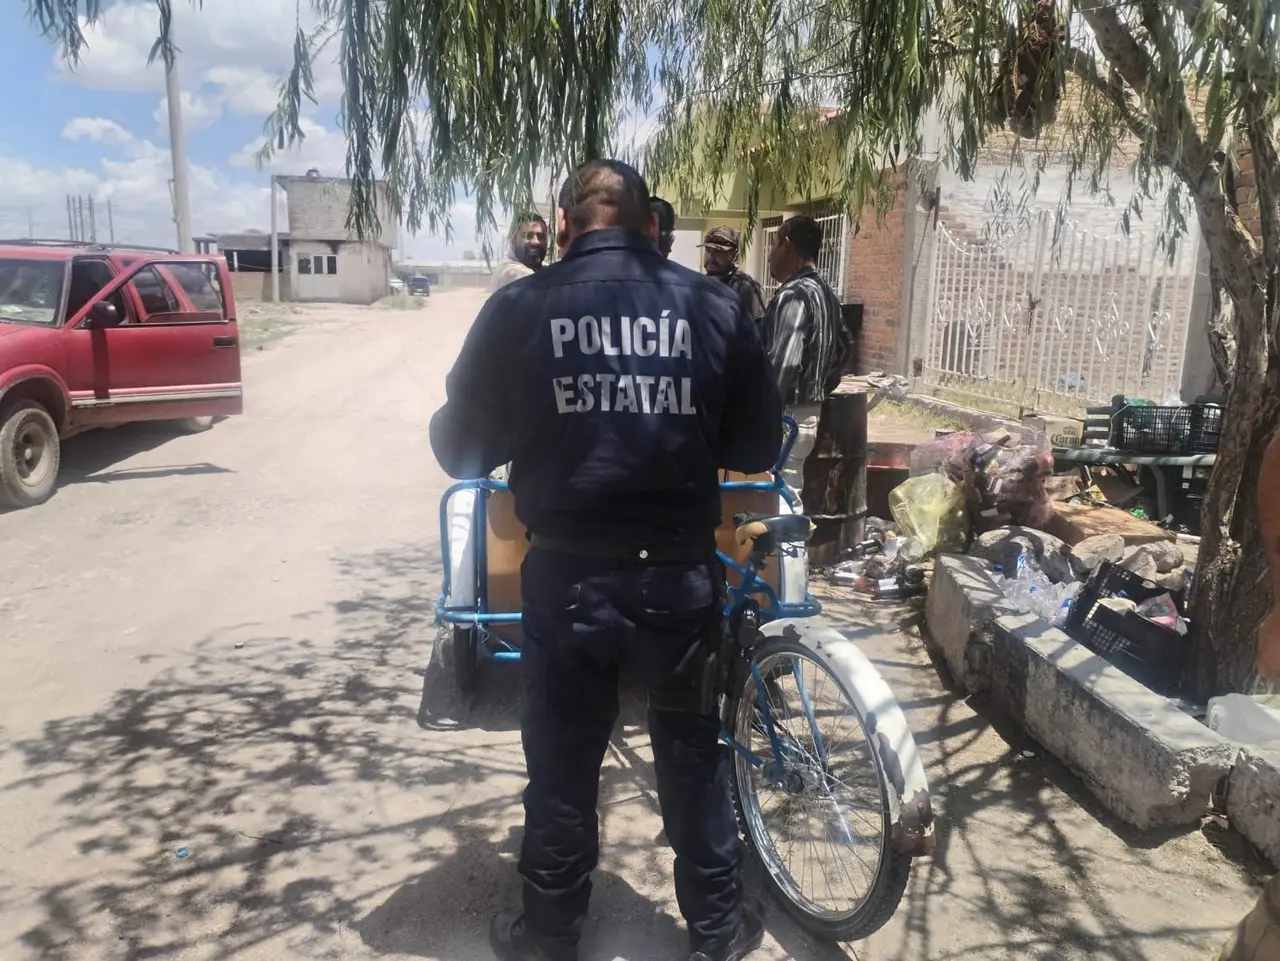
[1072, 523]
[1061, 431]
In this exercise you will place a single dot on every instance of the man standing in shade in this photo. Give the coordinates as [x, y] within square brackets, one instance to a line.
[721, 246]
[527, 252]
[804, 335]
[618, 384]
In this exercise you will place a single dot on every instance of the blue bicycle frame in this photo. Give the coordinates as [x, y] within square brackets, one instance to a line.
[477, 615]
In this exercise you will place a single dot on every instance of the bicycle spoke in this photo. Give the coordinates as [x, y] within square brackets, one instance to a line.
[829, 810]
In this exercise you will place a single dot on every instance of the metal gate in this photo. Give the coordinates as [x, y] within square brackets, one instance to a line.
[1057, 323]
[831, 255]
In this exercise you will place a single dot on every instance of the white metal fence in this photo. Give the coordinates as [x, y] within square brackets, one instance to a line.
[832, 256]
[1057, 322]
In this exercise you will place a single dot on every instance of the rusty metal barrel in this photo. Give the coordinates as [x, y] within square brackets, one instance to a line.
[835, 473]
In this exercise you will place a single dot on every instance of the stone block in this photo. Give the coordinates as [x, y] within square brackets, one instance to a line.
[963, 603]
[1146, 761]
[1253, 799]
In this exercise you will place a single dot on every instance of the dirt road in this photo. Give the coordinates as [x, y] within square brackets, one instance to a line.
[215, 744]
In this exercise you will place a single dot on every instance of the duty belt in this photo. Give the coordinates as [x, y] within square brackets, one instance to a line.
[657, 554]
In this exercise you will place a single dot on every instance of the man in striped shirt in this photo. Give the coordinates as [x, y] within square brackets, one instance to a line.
[804, 334]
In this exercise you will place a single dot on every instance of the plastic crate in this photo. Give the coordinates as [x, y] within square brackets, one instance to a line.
[1145, 651]
[1151, 429]
[1206, 428]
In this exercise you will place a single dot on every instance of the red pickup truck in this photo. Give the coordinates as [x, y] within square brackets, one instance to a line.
[93, 336]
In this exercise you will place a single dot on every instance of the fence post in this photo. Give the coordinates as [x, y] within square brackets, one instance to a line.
[1035, 296]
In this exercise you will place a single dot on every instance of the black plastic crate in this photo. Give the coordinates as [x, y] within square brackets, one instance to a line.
[1145, 651]
[1206, 428]
[1151, 429]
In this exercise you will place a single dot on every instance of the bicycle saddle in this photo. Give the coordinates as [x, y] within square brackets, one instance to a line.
[769, 531]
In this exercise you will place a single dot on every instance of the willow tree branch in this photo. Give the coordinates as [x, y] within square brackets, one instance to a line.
[1128, 106]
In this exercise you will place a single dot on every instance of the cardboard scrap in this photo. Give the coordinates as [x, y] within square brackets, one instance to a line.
[1072, 523]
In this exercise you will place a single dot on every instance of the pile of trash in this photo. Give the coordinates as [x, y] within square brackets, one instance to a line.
[1002, 482]
[1043, 575]
[1031, 591]
[888, 564]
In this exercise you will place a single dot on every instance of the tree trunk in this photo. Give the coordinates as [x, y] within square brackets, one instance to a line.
[1231, 590]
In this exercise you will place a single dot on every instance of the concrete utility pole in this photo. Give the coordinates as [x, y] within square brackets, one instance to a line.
[275, 245]
[178, 154]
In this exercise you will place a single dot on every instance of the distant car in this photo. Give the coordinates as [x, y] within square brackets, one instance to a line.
[95, 336]
[419, 286]
[397, 285]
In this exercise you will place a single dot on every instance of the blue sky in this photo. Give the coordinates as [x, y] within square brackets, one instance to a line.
[102, 128]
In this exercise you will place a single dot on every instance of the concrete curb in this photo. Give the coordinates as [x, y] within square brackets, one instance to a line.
[961, 609]
[1253, 799]
[1147, 762]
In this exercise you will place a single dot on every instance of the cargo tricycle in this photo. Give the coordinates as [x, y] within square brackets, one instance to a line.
[827, 784]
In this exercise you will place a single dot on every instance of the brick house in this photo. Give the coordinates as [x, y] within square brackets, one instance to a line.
[1048, 307]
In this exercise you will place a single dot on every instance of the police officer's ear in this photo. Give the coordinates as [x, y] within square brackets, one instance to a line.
[562, 232]
[655, 232]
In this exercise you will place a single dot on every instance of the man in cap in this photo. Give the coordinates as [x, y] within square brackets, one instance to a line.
[527, 251]
[721, 246]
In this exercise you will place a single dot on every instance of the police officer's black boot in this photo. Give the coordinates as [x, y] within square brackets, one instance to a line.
[511, 939]
[747, 938]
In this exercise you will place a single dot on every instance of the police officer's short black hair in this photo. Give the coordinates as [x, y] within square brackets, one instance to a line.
[805, 235]
[606, 193]
[666, 214]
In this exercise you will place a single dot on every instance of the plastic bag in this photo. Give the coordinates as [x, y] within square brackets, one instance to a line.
[928, 458]
[931, 509]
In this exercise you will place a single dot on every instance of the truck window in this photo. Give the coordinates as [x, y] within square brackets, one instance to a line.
[88, 276]
[201, 284]
[156, 297]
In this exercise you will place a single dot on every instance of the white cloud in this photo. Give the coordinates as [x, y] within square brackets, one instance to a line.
[245, 90]
[240, 47]
[321, 148]
[198, 113]
[133, 177]
[99, 129]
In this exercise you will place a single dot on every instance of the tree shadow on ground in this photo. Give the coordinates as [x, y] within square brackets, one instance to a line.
[1021, 842]
[321, 821]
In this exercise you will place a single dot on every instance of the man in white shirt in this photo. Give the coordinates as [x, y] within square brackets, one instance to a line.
[527, 252]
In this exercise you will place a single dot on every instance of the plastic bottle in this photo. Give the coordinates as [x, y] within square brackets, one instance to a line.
[910, 550]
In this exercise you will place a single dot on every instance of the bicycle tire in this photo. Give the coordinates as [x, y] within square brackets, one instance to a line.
[886, 890]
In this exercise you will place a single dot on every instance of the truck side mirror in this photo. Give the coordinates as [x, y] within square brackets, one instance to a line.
[103, 314]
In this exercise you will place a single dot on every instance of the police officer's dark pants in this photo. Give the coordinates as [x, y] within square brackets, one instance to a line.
[586, 621]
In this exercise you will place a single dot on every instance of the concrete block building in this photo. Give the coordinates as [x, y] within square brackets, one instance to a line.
[326, 260]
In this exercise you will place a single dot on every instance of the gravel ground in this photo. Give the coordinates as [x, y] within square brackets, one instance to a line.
[223, 733]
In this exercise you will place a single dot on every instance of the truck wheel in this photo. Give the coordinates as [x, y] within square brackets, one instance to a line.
[29, 456]
[196, 425]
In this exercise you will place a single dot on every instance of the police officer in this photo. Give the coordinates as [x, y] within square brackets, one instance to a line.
[617, 383]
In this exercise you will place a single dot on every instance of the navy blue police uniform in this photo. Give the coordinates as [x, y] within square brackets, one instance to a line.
[616, 384]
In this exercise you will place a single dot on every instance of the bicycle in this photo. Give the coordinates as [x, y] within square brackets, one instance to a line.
[777, 674]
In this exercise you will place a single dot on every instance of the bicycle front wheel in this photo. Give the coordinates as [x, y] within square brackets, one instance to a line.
[816, 810]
